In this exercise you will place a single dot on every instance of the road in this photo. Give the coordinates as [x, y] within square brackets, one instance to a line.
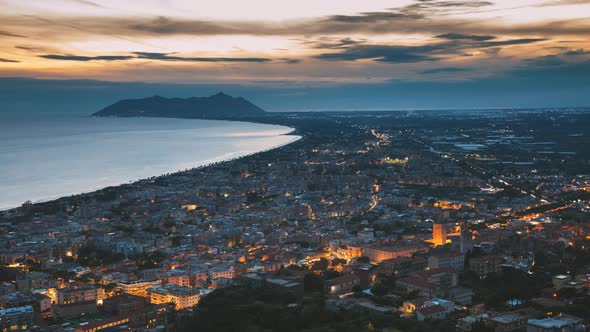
[486, 174]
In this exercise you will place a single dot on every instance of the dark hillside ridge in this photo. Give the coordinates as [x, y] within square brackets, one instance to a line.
[218, 106]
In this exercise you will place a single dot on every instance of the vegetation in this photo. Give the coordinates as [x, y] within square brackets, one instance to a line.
[90, 255]
[267, 309]
[150, 261]
[497, 288]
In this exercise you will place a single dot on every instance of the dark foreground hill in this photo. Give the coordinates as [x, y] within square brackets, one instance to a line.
[218, 106]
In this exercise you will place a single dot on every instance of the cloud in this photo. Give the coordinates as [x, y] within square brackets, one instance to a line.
[86, 58]
[26, 48]
[326, 42]
[375, 23]
[560, 59]
[168, 26]
[370, 17]
[89, 3]
[421, 18]
[291, 61]
[8, 34]
[520, 41]
[150, 56]
[444, 70]
[425, 31]
[563, 3]
[426, 52]
[547, 60]
[434, 7]
[7, 60]
[420, 10]
[169, 57]
[458, 36]
[576, 52]
[382, 53]
[34, 48]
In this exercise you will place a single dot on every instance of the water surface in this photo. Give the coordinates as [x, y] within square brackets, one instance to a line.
[43, 158]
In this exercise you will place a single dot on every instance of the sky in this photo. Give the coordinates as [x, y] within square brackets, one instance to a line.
[300, 55]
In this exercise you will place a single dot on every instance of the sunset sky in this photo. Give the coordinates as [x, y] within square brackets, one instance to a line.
[290, 44]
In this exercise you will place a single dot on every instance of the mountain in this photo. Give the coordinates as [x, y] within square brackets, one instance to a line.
[218, 106]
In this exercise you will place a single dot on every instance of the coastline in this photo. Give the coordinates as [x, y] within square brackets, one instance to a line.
[184, 167]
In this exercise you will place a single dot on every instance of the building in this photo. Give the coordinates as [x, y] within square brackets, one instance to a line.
[17, 299]
[197, 274]
[556, 324]
[343, 284]
[435, 309]
[42, 306]
[182, 296]
[485, 264]
[430, 283]
[16, 319]
[460, 295]
[374, 308]
[101, 324]
[423, 287]
[222, 271]
[86, 293]
[409, 307]
[366, 235]
[378, 254]
[149, 274]
[367, 274]
[466, 324]
[465, 239]
[137, 309]
[456, 261]
[221, 283]
[6, 288]
[507, 322]
[439, 234]
[402, 266]
[124, 305]
[137, 287]
[32, 281]
[287, 284]
[448, 305]
[431, 312]
[560, 281]
[11, 257]
[75, 301]
[73, 310]
[178, 277]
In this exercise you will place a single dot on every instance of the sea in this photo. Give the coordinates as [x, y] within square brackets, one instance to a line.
[47, 157]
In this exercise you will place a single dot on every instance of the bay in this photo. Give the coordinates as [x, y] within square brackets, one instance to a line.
[44, 158]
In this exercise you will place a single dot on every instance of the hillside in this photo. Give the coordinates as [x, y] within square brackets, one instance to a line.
[218, 106]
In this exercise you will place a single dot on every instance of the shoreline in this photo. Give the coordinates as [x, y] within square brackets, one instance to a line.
[228, 157]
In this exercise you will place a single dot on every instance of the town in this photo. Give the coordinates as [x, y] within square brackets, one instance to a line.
[388, 221]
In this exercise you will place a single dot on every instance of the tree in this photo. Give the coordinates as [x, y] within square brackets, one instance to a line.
[90, 255]
[320, 265]
[363, 259]
[338, 261]
[150, 261]
[176, 240]
[313, 283]
[171, 314]
[481, 326]
[330, 274]
[379, 289]
[270, 309]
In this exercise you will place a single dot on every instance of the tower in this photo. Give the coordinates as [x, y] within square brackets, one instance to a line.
[439, 234]
[466, 243]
